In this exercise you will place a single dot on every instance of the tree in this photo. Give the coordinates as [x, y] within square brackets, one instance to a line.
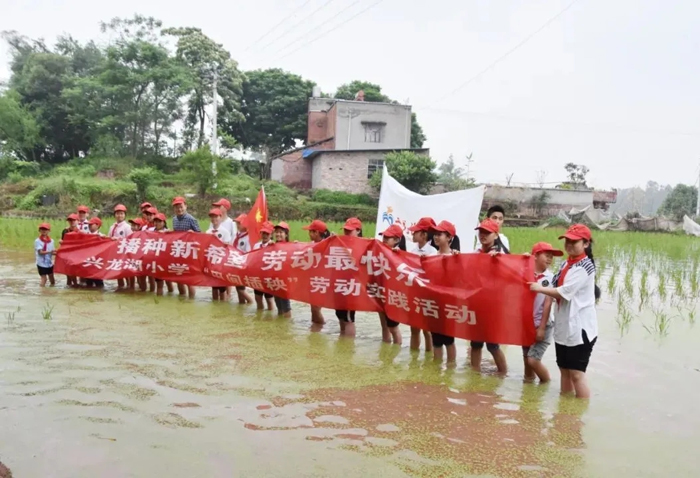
[452, 177]
[19, 132]
[373, 93]
[144, 178]
[576, 174]
[415, 171]
[274, 111]
[680, 202]
[198, 167]
[207, 62]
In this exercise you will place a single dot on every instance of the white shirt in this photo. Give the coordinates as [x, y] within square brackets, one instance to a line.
[545, 280]
[228, 225]
[426, 250]
[242, 242]
[223, 234]
[576, 311]
[84, 226]
[119, 230]
[260, 244]
[504, 241]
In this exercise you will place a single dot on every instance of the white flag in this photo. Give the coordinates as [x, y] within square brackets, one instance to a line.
[398, 205]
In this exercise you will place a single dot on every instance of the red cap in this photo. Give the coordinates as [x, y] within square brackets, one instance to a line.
[120, 207]
[267, 227]
[160, 217]
[545, 247]
[95, 220]
[316, 225]
[223, 202]
[241, 218]
[146, 205]
[488, 225]
[138, 221]
[215, 212]
[151, 210]
[423, 224]
[72, 217]
[45, 225]
[393, 231]
[352, 224]
[446, 226]
[577, 232]
[84, 209]
[282, 225]
[178, 200]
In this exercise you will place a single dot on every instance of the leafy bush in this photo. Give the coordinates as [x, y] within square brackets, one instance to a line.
[341, 197]
[197, 165]
[143, 178]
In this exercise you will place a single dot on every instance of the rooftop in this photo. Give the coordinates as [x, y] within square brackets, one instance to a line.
[312, 153]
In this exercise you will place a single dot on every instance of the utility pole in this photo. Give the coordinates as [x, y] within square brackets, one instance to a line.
[214, 134]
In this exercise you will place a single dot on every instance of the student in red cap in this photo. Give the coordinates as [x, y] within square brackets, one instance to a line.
[160, 224]
[184, 222]
[72, 219]
[144, 215]
[318, 231]
[226, 222]
[119, 230]
[149, 215]
[544, 254]
[266, 230]
[421, 237]
[44, 250]
[284, 306]
[575, 319]
[216, 229]
[136, 224]
[488, 238]
[83, 225]
[242, 243]
[346, 318]
[95, 224]
[443, 235]
[391, 237]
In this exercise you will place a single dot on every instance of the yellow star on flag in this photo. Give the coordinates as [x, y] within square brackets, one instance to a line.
[258, 216]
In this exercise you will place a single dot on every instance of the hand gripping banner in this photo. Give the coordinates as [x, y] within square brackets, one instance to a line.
[468, 296]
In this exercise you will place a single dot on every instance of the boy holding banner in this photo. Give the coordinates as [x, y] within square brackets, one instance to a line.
[420, 232]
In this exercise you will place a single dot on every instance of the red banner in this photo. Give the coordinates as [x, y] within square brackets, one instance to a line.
[469, 296]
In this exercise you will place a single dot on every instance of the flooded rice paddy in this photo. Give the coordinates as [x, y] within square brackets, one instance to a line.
[110, 384]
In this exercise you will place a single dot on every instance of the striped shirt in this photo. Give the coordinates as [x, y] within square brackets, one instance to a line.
[185, 223]
[576, 313]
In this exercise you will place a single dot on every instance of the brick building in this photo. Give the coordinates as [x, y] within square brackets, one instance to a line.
[346, 144]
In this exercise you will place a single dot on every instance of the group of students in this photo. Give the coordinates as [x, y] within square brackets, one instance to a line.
[572, 324]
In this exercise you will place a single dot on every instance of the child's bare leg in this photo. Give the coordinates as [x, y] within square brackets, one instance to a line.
[159, 288]
[428, 340]
[475, 358]
[151, 284]
[259, 301]
[181, 289]
[529, 372]
[386, 334]
[42, 281]
[270, 305]
[499, 357]
[317, 315]
[537, 368]
[120, 283]
[349, 330]
[415, 338]
[214, 294]
[52, 279]
[567, 384]
[580, 384]
[191, 291]
[451, 353]
[169, 285]
[437, 354]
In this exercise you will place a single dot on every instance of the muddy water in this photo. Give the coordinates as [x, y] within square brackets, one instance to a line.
[117, 385]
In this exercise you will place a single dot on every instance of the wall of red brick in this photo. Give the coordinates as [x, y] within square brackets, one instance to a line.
[292, 170]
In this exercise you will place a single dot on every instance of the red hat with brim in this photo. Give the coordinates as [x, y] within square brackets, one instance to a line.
[446, 226]
[222, 202]
[282, 225]
[72, 217]
[84, 209]
[45, 225]
[146, 205]
[160, 217]
[545, 247]
[120, 207]
[316, 225]
[151, 210]
[488, 225]
[352, 224]
[423, 224]
[95, 220]
[138, 221]
[178, 200]
[215, 212]
[577, 232]
[393, 231]
[267, 227]
[241, 218]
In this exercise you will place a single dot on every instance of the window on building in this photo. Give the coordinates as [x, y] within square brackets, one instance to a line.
[374, 132]
[374, 165]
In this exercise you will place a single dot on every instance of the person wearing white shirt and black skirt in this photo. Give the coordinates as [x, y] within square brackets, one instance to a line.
[575, 319]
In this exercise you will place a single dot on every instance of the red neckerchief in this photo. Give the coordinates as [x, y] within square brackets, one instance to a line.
[538, 276]
[114, 229]
[46, 240]
[569, 262]
[240, 236]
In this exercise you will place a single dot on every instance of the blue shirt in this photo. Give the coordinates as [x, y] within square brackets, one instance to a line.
[43, 260]
[185, 223]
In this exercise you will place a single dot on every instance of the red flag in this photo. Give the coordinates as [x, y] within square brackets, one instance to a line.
[256, 217]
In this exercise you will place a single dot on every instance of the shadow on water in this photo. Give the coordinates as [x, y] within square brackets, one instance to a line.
[137, 386]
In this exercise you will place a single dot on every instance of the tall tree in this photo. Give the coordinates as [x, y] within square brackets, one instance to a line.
[453, 177]
[373, 93]
[414, 171]
[19, 133]
[680, 202]
[207, 62]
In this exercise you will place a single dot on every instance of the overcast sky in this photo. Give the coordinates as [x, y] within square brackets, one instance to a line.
[610, 84]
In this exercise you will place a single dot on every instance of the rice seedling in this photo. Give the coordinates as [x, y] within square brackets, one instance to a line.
[47, 312]
[662, 286]
[662, 322]
[10, 318]
[678, 283]
[624, 315]
[629, 281]
[612, 281]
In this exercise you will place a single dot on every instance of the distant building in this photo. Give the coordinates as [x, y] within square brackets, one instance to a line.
[346, 144]
[545, 201]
